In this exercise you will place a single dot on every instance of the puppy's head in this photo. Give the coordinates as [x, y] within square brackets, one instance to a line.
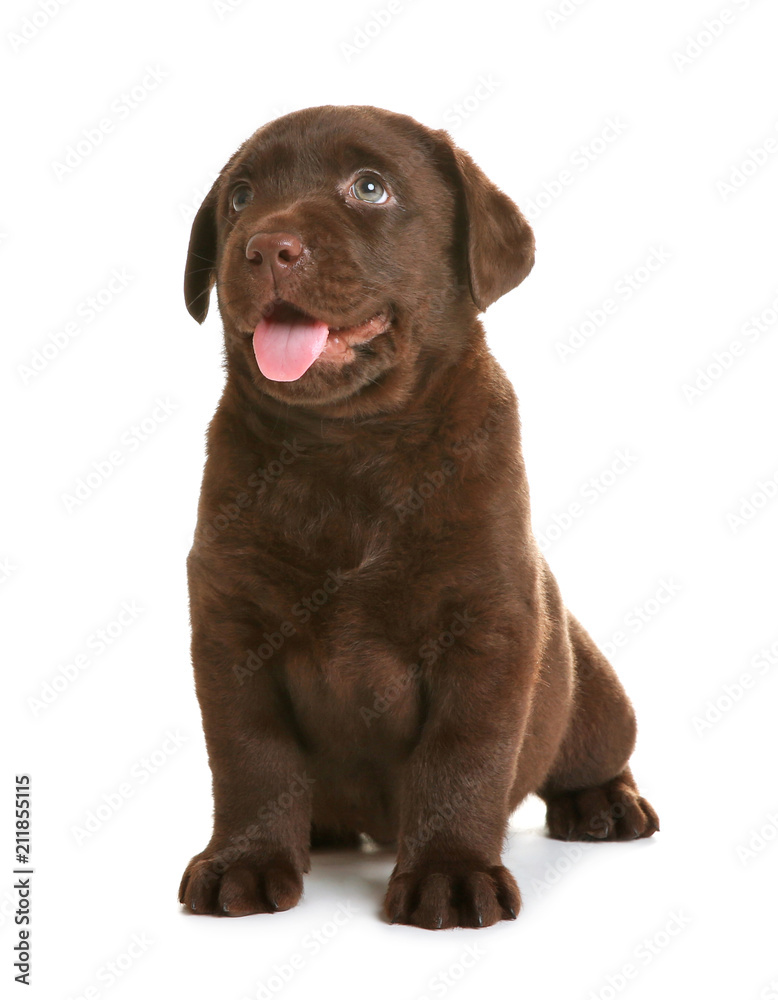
[352, 249]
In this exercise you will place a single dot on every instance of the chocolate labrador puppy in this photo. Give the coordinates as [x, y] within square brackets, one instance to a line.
[379, 647]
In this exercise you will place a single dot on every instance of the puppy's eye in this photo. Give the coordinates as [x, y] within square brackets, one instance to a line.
[241, 197]
[369, 188]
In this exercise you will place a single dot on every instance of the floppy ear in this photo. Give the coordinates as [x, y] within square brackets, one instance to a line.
[200, 271]
[499, 240]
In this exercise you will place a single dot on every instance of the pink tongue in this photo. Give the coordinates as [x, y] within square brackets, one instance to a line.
[285, 351]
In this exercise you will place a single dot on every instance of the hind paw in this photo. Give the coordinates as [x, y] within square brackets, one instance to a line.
[613, 811]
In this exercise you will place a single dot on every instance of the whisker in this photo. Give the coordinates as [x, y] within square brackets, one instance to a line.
[203, 292]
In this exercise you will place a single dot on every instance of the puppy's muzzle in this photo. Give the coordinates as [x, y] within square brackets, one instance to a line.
[274, 253]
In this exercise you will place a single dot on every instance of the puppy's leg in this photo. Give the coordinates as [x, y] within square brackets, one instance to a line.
[590, 793]
[258, 852]
[262, 794]
[454, 805]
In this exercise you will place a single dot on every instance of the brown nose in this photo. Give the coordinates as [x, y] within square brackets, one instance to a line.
[274, 250]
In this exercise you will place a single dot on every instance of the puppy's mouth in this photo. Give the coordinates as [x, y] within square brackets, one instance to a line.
[288, 341]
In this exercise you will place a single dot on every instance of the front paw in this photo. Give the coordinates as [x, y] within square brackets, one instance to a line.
[250, 884]
[436, 895]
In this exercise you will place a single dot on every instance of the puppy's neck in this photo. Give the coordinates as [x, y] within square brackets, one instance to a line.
[438, 386]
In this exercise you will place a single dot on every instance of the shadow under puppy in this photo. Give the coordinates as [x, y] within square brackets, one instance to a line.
[379, 646]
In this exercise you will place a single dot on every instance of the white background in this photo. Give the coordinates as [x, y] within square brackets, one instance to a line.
[656, 187]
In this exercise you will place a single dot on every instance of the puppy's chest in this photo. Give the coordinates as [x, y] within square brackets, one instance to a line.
[356, 514]
[344, 555]
[365, 590]
[361, 595]
[357, 699]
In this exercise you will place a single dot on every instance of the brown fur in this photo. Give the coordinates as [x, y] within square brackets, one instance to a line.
[379, 647]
